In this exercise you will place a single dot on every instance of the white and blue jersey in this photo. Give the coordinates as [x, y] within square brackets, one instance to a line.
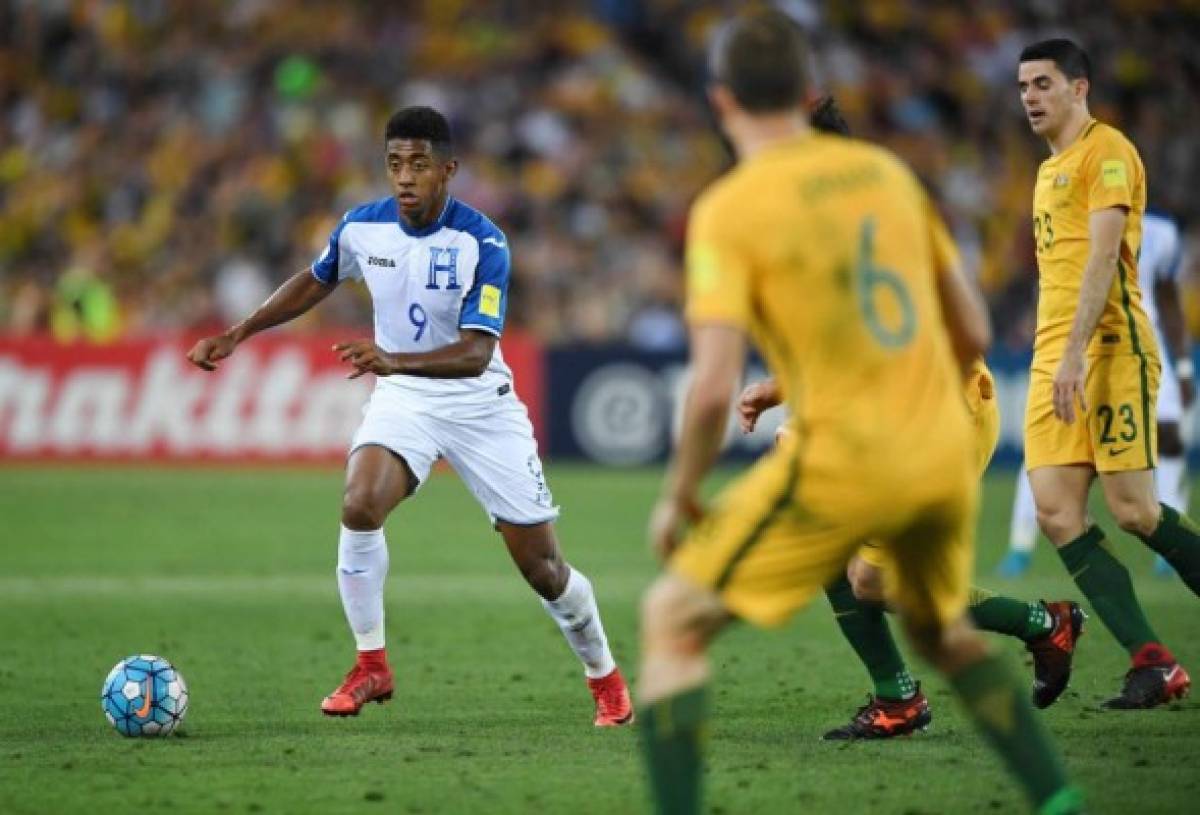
[426, 284]
[1159, 260]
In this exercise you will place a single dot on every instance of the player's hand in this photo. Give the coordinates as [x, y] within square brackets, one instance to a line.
[366, 357]
[755, 399]
[209, 351]
[1068, 386]
[667, 521]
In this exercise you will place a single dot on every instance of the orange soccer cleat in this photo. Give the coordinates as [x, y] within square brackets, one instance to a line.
[365, 683]
[613, 706]
[885, 719]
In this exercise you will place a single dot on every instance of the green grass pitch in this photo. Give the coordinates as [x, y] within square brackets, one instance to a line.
[230, 575]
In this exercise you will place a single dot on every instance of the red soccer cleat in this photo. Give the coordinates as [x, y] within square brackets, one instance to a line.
[367, 681]
[1155, 679]
[1053, 653]
[613, 706]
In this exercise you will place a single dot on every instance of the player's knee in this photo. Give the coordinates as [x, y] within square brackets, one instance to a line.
[1137, 516]
[361, 510]
[669, 617]
[865, 580]
[1060, 525]
[546, 575]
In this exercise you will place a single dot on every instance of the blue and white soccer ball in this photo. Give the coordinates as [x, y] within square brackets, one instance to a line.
[144, 696]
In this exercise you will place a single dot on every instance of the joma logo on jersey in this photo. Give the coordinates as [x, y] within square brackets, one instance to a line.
[443, 260]
[385, 262]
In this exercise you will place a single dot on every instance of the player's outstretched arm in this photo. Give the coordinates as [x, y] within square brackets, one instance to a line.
[467, 357]
[965, 315]
[1105, 228]
[298, 294]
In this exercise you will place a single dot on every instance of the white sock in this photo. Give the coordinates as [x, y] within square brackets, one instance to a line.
[576, 614]
[1171, 480]
[1023, 529]
[361, 570]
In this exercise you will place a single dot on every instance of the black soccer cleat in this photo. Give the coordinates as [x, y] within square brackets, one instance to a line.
[885, 719]
[1053, 653]
[1150, 686]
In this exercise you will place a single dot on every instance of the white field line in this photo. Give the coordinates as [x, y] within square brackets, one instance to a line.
[448, 588]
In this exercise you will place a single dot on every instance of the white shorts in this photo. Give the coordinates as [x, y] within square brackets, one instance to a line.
[1170, 400]
[492, 450]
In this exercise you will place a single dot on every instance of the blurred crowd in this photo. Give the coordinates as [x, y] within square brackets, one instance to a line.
[164, 165]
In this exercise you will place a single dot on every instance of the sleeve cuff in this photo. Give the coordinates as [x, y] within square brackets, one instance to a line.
[487, 329]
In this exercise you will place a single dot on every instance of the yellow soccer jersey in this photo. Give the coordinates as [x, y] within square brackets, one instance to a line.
[823, 249]
[1101, 169]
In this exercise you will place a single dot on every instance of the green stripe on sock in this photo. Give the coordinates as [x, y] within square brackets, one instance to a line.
[1016, 618]
[1106, 584]
[864, 626]
[1001, 710]
[1177, 539]
[673, 732]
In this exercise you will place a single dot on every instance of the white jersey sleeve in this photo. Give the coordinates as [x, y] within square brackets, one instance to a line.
[335, 264]
[1158, 260]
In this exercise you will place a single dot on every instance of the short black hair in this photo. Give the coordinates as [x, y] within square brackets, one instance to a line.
[1066, 54]
[421, 123]
[763, 59]
[826, 117]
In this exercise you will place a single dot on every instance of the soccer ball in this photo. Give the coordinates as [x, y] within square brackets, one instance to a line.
[144, 696]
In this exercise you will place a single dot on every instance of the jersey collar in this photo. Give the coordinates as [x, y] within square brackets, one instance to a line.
[1083, 134]
[424, 231]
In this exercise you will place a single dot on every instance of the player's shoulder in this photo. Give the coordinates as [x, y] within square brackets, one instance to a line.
[463, 217]
[1104, 138]
[381, 210]
[896, 168]
[717, 197]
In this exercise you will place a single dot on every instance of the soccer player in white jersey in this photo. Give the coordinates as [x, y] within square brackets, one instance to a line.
[1158, 268]
[438, 274]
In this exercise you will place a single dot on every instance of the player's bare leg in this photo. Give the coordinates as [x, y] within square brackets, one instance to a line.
[377, 480]
[678, 621]
[568, 598]
[1061, 496]
[1133, 500]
